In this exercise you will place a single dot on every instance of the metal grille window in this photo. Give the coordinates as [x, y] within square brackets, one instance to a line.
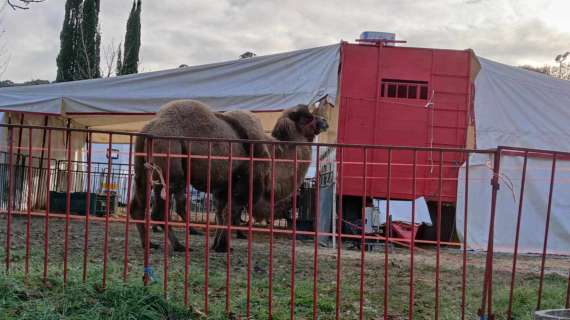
[404, 89]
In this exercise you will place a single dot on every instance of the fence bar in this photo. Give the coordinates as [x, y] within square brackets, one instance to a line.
[29, 206]
[413, 241]
[546, 228]
[207, 235]
[388, 227]
[339, 235]
[229, 214]
[517, 234]
[166, 250]
[147, 215]
[294, 238]
[567, 306]
[188, 208]
[10, 197]
[128, 215]
[271, 234]
[363, 234]
[464, 256]
[316, 240]
[46, 218]
[487, 296]
[107, 210]
[438, 235]
[67, 205]
[88, 205]
[249, 232]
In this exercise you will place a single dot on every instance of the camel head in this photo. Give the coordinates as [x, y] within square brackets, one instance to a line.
[299, 123]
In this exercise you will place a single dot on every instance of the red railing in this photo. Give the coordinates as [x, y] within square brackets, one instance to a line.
[420, 278]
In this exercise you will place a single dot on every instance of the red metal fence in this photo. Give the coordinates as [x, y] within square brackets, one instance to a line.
[280, 272]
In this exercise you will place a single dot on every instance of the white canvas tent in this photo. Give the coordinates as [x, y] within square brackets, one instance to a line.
[263, 84]
[518, 108]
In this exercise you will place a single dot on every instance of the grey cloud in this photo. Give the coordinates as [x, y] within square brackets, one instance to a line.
[205, 31]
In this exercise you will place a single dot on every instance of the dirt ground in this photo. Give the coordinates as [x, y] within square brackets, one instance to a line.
[375, 263]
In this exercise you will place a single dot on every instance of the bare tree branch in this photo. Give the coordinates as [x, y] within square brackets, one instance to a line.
[21, 4]
[110, 52]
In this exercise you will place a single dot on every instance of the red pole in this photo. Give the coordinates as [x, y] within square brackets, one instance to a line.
[546, 228]
[294, 238]
[413, 242]
[149, 173]
[207, 235]
[127, 221]
[249, 233]
[517, 233]
[464, 273]
[29, 206]
[67, 205]
[10, 196]
[166, 220]
[339, 233]
[188, 194]
[568, 292]
[88, 206]
[108, 210]
[363, 233]
[487, 296]
[271, 235]
[388, 232]
[229, 224]
[438, 235]
[46, 220]
[316, 240]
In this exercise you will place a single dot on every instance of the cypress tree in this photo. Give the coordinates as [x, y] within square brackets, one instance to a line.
[89, 42]
[119, 61]
[66, 67]
[130, 62]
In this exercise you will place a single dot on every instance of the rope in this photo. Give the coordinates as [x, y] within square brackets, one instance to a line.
[160, 181]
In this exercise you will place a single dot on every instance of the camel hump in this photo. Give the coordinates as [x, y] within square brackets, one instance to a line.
[177, 108]
[245, 123]
[248, 127]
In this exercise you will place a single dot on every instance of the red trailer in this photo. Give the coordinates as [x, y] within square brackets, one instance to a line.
[403, 96]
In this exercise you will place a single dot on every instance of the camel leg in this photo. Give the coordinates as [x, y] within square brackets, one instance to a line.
[157, 213]
[175, 244]
[236, 221]
[221, 237]
[180, 199]
[138, 213]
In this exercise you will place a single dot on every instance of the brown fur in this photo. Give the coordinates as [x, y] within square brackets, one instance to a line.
[187, 118]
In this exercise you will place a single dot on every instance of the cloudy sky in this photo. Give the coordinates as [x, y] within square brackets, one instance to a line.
[202, 31]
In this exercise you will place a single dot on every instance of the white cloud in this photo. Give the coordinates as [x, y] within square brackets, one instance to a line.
[203, 31]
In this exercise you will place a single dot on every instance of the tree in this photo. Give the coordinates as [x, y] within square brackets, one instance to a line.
[130, 61]
[561, 71]
[79, 56]
[88, 53]
[119, 60]
[66, 59]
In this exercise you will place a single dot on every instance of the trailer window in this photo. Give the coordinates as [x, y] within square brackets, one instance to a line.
[404, 89]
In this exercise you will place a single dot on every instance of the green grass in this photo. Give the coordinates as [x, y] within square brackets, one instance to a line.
[83, 301]
[132, 300]
[34, 299]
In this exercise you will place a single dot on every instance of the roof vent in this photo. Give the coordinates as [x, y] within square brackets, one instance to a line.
[385, 38]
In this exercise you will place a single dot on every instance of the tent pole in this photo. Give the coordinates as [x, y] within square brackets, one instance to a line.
[20, 137]
[41, 164]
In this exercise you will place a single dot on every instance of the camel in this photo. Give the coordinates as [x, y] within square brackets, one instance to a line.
[188, 118]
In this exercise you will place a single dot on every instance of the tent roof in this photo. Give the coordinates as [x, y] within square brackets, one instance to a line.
[263, 83]
[520, 108]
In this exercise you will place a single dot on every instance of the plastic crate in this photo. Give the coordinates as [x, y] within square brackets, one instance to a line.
[78, 203]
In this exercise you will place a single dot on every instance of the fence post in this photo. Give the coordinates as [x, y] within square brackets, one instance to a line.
[487, 296]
